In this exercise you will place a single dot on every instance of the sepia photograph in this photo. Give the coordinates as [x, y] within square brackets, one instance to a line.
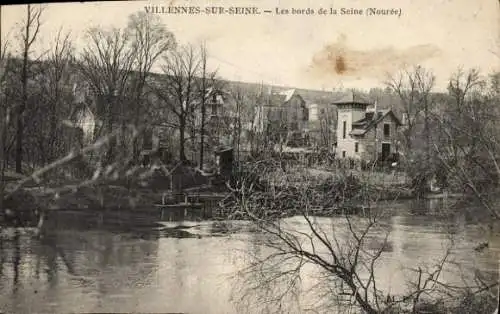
[250, 156]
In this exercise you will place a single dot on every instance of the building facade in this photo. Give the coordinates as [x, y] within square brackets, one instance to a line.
[363, 131]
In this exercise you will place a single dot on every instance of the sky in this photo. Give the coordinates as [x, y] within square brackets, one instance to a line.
[322, 52]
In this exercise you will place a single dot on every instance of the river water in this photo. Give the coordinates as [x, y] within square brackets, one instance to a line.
[102, 270]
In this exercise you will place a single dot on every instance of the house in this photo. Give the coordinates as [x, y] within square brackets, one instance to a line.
[283, 114]
[363, 131]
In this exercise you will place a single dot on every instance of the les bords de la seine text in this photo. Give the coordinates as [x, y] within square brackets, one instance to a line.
[252, 10]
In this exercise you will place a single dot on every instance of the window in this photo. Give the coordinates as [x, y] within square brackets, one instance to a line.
[387, 130]
[343, 154]
[356, 147]
[344, 130]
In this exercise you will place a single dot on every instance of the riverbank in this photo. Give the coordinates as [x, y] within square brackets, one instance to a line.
[275, 192]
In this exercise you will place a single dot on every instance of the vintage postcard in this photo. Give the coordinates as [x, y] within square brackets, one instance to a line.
[237, 156]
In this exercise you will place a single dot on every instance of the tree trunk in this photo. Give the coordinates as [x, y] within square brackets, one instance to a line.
[20, 112]
[19, 142]
[24, 81]
[203, 100]
[109, 126]
[3, 129]
[53, 127]
[136, 142]
[182, 138]
[202, 131]
[427, 135]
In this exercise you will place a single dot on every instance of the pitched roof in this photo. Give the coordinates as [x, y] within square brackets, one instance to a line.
[362, 126]
[278, 99]
[288, 94]
[352, 97]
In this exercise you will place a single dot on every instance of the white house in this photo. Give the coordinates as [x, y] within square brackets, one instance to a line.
[363, 131]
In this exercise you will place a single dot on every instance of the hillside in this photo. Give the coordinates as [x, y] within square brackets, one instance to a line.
[309, 95]
[384, 98]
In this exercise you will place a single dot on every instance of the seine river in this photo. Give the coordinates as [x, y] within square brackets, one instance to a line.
[193, 271]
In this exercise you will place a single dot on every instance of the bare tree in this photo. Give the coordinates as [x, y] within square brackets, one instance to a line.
[106, 64]
[414, 88]
[238, 123]
[150, 40]
[56, 76]
[247, 119]
[203, 102]
[30, 29]
[4, 109]
[469, 147]
[326, 121]
[256, 116]
[210, 88]
[178, 88]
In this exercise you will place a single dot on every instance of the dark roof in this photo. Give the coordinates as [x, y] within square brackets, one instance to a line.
[352, 97]
[362, 126]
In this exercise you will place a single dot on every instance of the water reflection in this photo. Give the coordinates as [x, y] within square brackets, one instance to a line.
[107, 271]
[89, 268]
